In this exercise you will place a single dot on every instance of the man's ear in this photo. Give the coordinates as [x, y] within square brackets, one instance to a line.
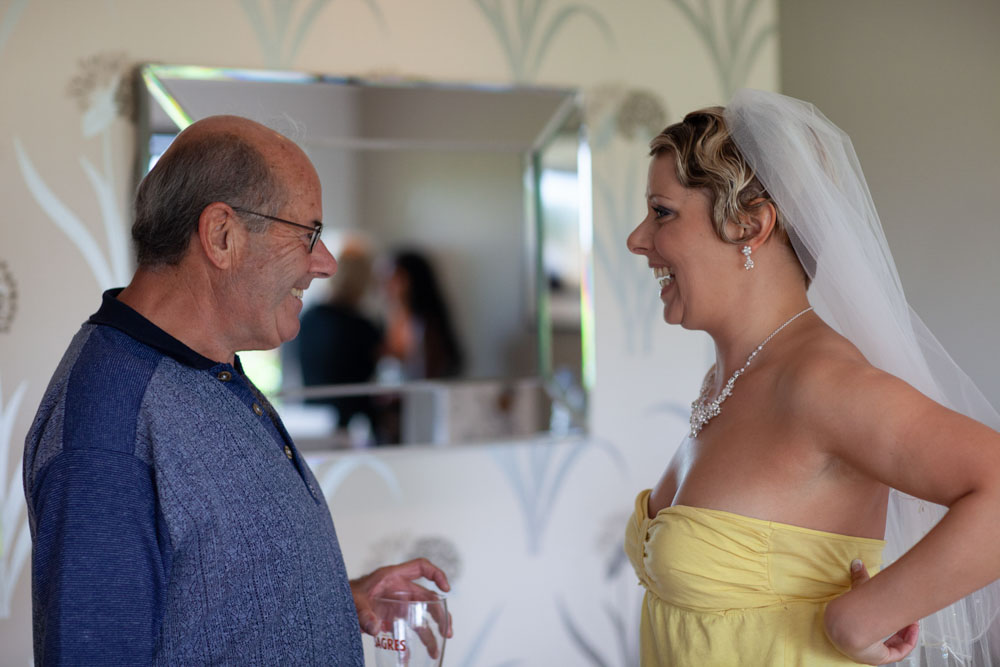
[758, 223]
[218, 230]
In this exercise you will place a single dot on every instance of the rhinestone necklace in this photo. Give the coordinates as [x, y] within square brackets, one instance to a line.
[702, 410]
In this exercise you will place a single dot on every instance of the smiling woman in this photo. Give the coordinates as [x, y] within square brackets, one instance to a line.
[691, 207]
[461, 174]
[849, 424]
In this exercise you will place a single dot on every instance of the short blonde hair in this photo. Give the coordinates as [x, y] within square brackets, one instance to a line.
[354, 271]
[706, 157]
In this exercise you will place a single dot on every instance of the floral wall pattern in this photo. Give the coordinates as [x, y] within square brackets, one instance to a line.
[101, 90]
[733, 40]
[8, 18]
[15, 541]
[537, 475]
[531, 532]
[526, 30]
[281, 26]
[621, 121]
[8, 298]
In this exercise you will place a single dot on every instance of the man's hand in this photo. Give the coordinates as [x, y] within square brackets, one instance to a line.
[394, 579]
[895, 648]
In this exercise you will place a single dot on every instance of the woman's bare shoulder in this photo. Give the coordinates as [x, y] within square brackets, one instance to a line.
[822, 368]
[828, 389]
[821, 349]
[881, 426]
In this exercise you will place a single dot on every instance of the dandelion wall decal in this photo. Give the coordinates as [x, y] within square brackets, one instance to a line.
[15, 538]
[732, 44]
[621, 604]
[537, 473]
[8, 298]
[621, 121]
[282, 30]
[331, 474]
[100, 89]
[526, 31]
[624, 622]
[475, 650]
[8, 17]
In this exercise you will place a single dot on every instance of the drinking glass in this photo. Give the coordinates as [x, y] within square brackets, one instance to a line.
[414, 626]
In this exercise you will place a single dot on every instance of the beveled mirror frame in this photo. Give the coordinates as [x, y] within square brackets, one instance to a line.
[567, 409]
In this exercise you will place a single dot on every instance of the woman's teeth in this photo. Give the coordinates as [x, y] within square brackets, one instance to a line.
[663, 275]
[297, 293]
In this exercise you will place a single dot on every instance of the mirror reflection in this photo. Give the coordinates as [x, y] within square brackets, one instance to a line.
[460, 219]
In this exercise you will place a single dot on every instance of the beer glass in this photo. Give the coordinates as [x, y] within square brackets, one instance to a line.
[413, 630]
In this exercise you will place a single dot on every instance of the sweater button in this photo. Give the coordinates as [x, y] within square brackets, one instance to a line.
[288, 452]
[224, 376]
[257, 410]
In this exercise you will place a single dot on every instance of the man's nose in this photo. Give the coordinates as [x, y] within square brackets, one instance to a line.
[323, 263]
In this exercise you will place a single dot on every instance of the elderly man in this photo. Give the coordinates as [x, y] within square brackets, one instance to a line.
[174, 521]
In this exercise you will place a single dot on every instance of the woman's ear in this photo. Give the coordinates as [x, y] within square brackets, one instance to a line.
[758, 223]
[217, 232]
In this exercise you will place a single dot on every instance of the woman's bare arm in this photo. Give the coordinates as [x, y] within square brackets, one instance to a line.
[883, 428]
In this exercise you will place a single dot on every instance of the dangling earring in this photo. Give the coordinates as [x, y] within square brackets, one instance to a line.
[746, 253]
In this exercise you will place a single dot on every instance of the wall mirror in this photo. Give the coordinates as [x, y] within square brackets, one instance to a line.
[460, 215]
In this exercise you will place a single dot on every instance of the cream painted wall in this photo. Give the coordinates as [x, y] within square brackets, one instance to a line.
[531, 533]
[915, 85]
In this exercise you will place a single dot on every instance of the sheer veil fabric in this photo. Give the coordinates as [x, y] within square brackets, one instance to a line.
[811, 171]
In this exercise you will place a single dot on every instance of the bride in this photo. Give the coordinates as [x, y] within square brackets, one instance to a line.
[832, 419]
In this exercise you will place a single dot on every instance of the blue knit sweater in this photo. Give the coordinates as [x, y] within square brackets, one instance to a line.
[173, 520]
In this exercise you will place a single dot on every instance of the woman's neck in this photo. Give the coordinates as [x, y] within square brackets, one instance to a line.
[748, 327]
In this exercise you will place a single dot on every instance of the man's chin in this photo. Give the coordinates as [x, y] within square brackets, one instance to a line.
[288, 332]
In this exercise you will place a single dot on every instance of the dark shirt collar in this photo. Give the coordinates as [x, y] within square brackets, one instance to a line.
[115, 313]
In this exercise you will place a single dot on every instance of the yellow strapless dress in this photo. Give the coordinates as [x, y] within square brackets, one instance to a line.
[724, 589]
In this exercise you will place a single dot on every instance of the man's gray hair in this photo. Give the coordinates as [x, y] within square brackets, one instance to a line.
[213, 167]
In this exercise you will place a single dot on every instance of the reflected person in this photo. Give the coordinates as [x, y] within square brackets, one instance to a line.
[173, 519]
[419, 333]
[338, 343]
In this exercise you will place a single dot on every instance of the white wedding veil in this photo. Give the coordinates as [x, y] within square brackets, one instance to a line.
[811, 172]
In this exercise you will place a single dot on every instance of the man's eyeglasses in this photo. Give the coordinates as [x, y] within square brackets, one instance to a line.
[316, 229]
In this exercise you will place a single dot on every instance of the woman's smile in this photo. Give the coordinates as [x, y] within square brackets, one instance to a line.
[664, 276]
